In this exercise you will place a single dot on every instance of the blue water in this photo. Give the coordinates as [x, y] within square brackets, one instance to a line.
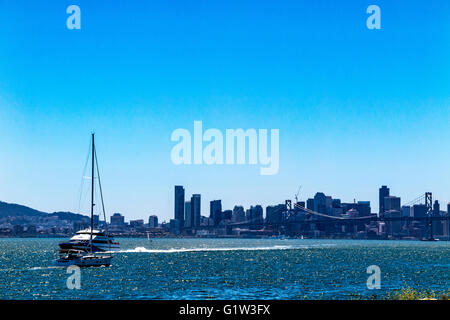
[228, 269]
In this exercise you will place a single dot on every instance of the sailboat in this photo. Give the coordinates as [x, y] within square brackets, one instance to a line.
[86, 256]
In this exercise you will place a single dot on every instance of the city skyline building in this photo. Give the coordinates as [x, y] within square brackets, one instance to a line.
[196, 209]
[392, 203]
[382, 193]
[238, 214]
[215, 211]
[179, 204]
[153, 221]
[188, 214]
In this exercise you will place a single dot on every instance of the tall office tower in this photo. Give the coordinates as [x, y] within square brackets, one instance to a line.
[436, 209]
[179, 204]
[196, 209]
[320, 202]
[274, 214]
[383, 193]
[188, 214]
[153, 222]
[256, 215]
[215, 211]
[238, 214]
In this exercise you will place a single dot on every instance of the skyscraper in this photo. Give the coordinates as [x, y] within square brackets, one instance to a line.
[153, 222]
[188, 217]
[215, 211]
[256, 215]
[274, 214]
[196, 209]
[320, 202]
[179, 204]
[383, 192]
[238, 214]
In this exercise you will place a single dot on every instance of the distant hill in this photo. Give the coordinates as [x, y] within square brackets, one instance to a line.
[17, 210]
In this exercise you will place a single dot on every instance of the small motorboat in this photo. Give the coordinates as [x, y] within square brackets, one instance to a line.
[81, 259]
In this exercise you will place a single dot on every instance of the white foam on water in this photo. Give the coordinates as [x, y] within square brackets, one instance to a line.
[43, 268]
[173, 250]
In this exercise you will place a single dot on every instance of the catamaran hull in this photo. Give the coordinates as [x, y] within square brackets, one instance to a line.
[84, 262]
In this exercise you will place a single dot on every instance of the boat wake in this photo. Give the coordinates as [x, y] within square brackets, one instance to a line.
[173, 250]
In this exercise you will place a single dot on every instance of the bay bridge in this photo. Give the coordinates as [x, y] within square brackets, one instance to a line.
[296, 216]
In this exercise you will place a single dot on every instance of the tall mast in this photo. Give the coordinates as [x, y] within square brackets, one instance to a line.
[92, 191]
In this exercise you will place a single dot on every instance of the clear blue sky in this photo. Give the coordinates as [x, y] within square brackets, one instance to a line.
[356, 108]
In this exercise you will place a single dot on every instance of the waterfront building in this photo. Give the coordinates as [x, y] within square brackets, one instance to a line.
[179, 204]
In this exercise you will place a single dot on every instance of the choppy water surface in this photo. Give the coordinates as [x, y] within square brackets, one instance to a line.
[227, 269]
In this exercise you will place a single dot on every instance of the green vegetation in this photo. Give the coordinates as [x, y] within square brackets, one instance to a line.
[413, 294]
